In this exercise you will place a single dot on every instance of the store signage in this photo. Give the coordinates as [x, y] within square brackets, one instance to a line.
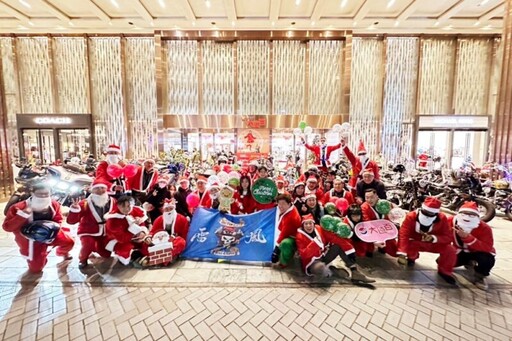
[53, 120]
[257, 123]
[454, 122]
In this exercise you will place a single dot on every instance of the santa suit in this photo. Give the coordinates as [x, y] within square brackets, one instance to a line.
[311, 249]
[332, 194]
[287, 224]
[205, 200]
[35, 252]
[177, 229]
[478, 245]
[410, 244]
[247, 202]
[102, 176]
[120, 231]
[369, 213]
[358, 168]
[136, 183]
[322, 153]
[317, 192]
[91, 227]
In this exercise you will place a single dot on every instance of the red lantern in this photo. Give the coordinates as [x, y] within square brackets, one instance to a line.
[130, 170]
[114, 171]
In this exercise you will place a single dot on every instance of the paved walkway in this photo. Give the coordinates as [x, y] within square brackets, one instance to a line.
[211, 301]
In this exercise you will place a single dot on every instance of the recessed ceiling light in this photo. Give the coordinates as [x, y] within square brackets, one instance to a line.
[161, 3]
[26, 4]
[312, 23]
[437, 23]
[273, 23]
[483, 3]
[70, 23]
[232, 23]
[297, 2]
[114, 2]
[343, 3]
[208, 3]
[477, 23]
[397, 23]
[354, 24]
[193, 23]
[391, 3]
[449, 27]
[152, 23]
[31, 23]
[488, 27]
[21, 27]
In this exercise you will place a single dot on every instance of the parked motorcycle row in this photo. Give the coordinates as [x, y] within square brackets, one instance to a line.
[408, 189]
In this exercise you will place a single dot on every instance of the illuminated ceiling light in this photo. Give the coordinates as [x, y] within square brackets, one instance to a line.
[193, 23]
[31, 23]
[26, 4]
[232, 23]
[447, 28]
[273, 23]
[61, 28]
[477, 23]
[161, 3]
[312, 23]
[110, 23]
[297, 2]
[70, 23]
[21, 27]
[391, 3]
[437, 23]
[114, 2]
[397, 23]
[354, 24]
[343, 3]
[152, 23]
[488, 27]
[208, 3]
[483, 3]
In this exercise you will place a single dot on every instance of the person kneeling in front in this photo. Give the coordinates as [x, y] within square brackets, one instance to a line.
[35, 223]
[474, 242]
[125, 228]
[319, 248]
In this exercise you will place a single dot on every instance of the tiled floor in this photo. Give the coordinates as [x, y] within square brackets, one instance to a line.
[210, 301]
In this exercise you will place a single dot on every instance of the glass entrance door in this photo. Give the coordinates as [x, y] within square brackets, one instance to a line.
[39, 145]
[468, 146]
[74, 143]
[434, 143]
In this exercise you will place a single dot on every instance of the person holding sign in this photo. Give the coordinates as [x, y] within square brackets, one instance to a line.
[318, 248]
[427, 230]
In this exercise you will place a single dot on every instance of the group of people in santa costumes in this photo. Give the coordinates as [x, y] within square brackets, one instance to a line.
[111, 222]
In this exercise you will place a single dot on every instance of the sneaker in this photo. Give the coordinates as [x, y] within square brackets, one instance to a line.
[481, 283]
[360, 277]
[83, 265]
[275, 255]
[411, 262]
[448, 278]
[471, 265]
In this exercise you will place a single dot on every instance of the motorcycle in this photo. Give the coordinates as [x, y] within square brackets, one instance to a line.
[68, 182]
[26, 178]
[500, 194]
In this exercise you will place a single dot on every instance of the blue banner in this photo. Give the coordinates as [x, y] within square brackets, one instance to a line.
[246, 238]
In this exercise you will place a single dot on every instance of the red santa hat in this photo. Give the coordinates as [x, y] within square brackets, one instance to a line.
[470, 207]
[97, 183]
[169, 203]
[361, 148]
[254, 163]
[201, 178]
[309, 195]
[312, 178]
[307, 217]
[183, 179]
[280, 178]
[368, 171]
[297, 184]
[432, 205]
[149, 160]
[113, 148]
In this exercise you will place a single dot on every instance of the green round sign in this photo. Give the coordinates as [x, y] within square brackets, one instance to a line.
[264, 190]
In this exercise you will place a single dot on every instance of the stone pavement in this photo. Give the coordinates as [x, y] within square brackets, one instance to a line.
[211, 301]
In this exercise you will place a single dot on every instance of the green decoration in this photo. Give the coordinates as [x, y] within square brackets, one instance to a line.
[264, 190]
[302, 125]
[383, 206]
[330, 208]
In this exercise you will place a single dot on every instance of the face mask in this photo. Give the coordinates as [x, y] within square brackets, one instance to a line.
[113, 159]
[467, 222]
[100, 200]
[39, 204]
[363, 158]
[424, 220]
[162, 184]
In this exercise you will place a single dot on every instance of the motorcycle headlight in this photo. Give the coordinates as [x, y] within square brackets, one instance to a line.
[62, 186]
[74, 189]
[51, 182]
[487, 190]
[423, 183]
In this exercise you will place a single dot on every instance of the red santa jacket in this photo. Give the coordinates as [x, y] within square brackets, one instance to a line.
[357, 167]
[179, 226]
[329, 194]
[205, 200]
[369, 213]
[102, 175]
[479, 240]
[288, 223]
[135, 183]
[311, 249]
[410, 231]
[317, 150]
[90, 222]
[121, 228]
[247, 202]
[16, 219]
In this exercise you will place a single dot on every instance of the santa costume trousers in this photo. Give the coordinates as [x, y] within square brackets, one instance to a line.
[447, 254]
[92, 244]
[484, 261]
[37, 258]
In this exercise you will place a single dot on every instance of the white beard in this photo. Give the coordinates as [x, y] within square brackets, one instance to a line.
[363, 159]
[467, 223]
[100, 200]
[40, 204]
[425, 221]
[113, 159]
[169, 217]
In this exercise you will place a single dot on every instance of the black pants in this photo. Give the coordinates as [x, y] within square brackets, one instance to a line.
[485, 261]
[335, 251]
